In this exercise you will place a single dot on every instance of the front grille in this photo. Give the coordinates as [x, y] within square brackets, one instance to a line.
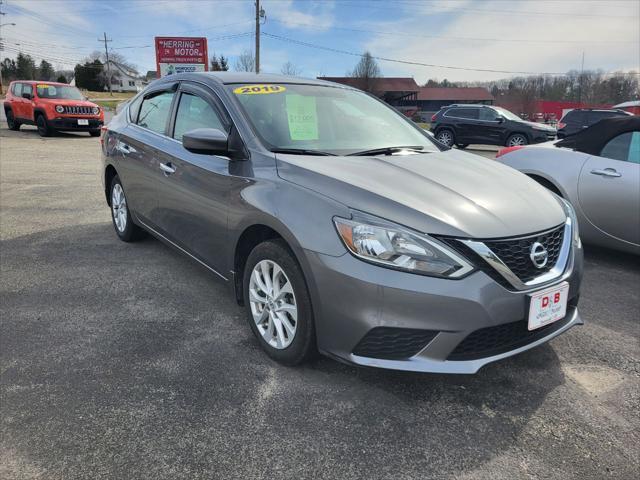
[77, 110]
[393, 343]
[491, 341]
[514, 253]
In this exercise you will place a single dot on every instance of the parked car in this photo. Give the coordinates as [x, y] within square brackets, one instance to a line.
[340, 225]
[51, 106]
[578, 119]
[462, 125]
[598, 171]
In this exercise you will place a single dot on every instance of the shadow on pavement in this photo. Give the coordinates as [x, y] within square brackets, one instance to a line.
[130, 361]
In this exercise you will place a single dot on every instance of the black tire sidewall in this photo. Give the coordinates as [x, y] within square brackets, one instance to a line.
[12, 123]
[303, 346]
[43, 130]
[130, 232]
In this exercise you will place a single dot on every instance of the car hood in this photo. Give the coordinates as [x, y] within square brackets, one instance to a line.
[66, 101]
[447, 193]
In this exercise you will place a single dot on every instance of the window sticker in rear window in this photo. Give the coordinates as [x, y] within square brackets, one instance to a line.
[302, 117]
[258, 89]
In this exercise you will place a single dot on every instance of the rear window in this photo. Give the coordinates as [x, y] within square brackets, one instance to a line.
[17, 89]
[470, 113]
[574, 116]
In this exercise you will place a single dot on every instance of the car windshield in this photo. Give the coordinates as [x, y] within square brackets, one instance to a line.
[326, 120]
[507, 114]
[58, 91]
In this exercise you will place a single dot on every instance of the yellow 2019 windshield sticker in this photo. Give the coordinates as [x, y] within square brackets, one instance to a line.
[259, 89]
[302, 117]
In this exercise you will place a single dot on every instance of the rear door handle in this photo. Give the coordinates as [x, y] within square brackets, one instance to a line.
[124, 148]
[607, 172]
[167, 168]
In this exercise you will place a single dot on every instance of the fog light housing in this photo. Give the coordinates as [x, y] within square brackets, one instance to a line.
[95, 110]
[59, 109]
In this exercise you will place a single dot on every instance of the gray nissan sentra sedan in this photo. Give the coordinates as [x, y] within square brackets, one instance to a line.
[342, 227]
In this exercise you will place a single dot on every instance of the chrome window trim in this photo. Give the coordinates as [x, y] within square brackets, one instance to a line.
[499, 266]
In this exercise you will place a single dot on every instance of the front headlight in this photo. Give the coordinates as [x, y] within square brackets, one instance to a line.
[571, 213]
[95, 110]
[395, 247]
[59, 108]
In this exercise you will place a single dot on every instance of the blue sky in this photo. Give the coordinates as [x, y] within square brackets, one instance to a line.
[508, 35]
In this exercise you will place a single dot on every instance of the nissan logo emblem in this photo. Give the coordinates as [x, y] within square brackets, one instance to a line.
[539, 255]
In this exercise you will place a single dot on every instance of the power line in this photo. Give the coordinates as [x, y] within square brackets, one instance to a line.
[410, 62]
[474, 39]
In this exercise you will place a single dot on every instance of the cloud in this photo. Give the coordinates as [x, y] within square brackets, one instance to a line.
[518, 21]
[320, 15]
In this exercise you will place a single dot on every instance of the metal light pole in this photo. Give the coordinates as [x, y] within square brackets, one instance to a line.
[259, 14]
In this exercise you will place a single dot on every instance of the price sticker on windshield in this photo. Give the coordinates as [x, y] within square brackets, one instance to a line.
[259, 89]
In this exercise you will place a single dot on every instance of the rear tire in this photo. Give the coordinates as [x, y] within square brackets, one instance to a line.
[269, 307]
[44, 130]
[94, 133]
[446, 137]
[517, 139]
[12, 123]
[123, 224]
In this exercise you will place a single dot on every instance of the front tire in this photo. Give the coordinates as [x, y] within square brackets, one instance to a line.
[44, 130]
[517, 140]
[123, 224]
[446, 137]
[278, 303]
[12, 123]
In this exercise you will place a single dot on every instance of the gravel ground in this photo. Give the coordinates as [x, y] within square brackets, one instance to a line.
[129, 361]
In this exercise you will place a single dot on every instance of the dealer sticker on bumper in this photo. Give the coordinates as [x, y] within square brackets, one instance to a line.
[83, 121]
[548, 306]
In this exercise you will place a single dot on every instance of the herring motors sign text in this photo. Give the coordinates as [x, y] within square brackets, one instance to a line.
[181, 54]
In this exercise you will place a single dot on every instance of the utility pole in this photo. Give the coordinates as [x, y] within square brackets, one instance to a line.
[106, 54]
[257, 59]
[580, 82]
[259, 14]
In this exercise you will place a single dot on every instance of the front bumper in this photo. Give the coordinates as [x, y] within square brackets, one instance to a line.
[351, 298]
[71, 123]
[540, 137]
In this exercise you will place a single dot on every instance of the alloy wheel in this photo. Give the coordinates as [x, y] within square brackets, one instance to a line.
[517, 140]
[119, 207]
[273, 304]
[445, 137]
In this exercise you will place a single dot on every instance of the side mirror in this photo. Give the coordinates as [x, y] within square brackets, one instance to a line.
[500, 119]
[209, 141]
[27, 96]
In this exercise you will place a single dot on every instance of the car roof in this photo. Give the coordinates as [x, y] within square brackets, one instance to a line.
[592, 139]
[41, 82]
[598, 110]
[226, 78]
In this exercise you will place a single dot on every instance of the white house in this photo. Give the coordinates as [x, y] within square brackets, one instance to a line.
[124, 79]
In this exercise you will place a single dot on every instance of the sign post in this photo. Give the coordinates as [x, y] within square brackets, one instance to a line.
[181, 54]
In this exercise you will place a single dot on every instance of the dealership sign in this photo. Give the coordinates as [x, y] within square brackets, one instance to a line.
[181, 54]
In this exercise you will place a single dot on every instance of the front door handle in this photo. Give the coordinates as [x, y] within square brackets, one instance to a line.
[167, 168]
[607, 172]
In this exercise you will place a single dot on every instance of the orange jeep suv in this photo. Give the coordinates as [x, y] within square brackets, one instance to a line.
[52, 107]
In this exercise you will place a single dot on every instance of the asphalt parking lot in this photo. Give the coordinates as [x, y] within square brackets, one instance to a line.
[129, 361]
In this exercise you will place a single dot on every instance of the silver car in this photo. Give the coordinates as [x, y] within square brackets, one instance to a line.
[342, 227]
[598, 171]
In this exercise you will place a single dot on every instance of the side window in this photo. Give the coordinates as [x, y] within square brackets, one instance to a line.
[488, 114]
[154, 111]
[624, 147]
[194, 112]
[27, 88]
[470, 113]
[134, 108]
[574, 116]
[17, 89]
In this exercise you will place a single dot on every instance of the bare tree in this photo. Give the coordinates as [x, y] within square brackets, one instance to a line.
[368, 71]
[290, 69]
[245, 62]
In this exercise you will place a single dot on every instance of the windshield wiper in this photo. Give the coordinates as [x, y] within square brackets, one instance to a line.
[302, 151]
[388, 150]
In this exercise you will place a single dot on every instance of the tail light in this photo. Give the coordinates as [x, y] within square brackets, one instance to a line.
[561, 125]
[433, 117]
[103, 131]
[504, 151]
